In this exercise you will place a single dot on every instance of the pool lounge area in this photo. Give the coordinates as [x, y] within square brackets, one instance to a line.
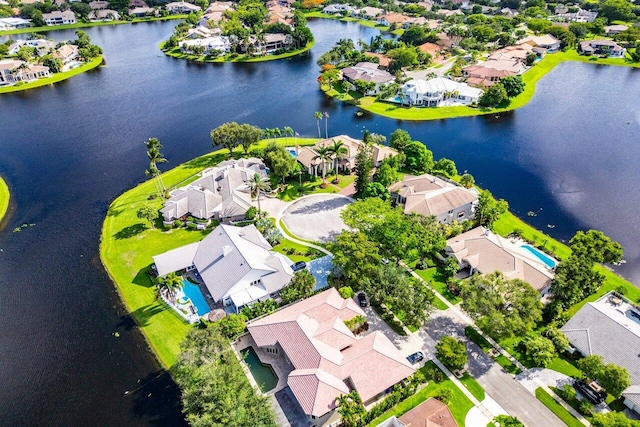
[541, 256]
[193, 293]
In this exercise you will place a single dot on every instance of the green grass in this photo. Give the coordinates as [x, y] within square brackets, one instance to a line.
[557, 409]
[87, 25]
[563, 365]
[530, 78]
[459, 404]
[472, 385]
[288, 244]
[486, 346]
[57, 77]
[127, 245]
[176, 53]
[365, 22]
[292, 190]
[4, 198]
[436, 279]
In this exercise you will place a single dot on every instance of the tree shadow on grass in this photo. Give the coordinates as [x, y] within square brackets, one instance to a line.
[130, 231]
[142, 278]
[143, 315]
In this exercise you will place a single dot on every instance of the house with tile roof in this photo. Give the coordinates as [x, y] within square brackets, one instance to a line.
[545, 42]
[392, 18]
[59, 18]
[326, 359]
[236, 264]
[221, 193]
[179, 7]
[432, 196]
[367, 72]
[483, 76]
[601, 47]
[610, 327]
[13, 71]
[430, 413]
[482, 252]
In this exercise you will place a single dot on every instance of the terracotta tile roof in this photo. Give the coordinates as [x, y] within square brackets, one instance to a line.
[430, 48]
[431, 413]
[385, 61]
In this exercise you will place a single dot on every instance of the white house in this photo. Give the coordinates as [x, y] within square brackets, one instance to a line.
[439, 91]
[103, 15]
[13, 71]
[59, 18]
[210, 44]
[181, 7]
[338, 8]
[41, 46]
[14, 23]
[66, 53]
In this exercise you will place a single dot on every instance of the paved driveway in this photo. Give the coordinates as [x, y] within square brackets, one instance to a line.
[316, 217]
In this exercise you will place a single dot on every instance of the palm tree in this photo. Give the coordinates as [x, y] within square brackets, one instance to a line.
[326, 124]
[277, 132]
[338, 151]
[170, 284]
[324, 155]
[350, 409]
[287, 132]
[155, 157]
[258, 183]
[318, 116]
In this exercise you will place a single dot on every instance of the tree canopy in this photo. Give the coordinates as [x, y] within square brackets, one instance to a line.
[418, 158]
[452, 352]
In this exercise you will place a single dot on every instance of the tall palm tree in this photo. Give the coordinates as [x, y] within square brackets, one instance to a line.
[326, 124]
[277, 132]
[287, 132]
[318, 116]
[155, 157]
[338, 151]
[324, 155]
[257, 183]
[170, 284]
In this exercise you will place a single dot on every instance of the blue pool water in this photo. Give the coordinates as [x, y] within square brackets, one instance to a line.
[293, 153]
[193, 293]
[540, 255]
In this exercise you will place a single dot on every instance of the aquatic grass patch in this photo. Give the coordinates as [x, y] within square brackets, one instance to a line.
[4, 198]
[55, 78]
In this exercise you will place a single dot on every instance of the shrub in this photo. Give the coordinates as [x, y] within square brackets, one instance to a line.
[586, 408]
[540, 349]
[445, 395]
[233, 325]
[251, 213]
[177, 223]
[451, 352]
[346, 292]
[621, 290]
[567, 392]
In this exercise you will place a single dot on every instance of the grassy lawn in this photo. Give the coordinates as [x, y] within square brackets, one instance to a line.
[292, 189]
[57, 77]
[486, 346]
[435, 278]
[530, 78]
[87, 25]
[565, 366]
[557, 409]
[127, 245]
[472, 385]
[459, 404]
[176, 53]
[4, 198]
[308, 253]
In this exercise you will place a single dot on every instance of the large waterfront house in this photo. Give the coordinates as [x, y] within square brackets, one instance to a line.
[545, 42]
[13, 71]
[180, 7]
[338, 8]
[208, 45]
[367, 72]
[432, 196]
[325, 359]
[581, 15]
[479, 251]
[492, 71]
[67, 54]
[601, 47]
[236, 265]
[59, 18]
[610, 327]
[270, 43]
[14, 23]
[430, 413]
[437, 92]
[221, 193]
[367, 12]
[307, 156]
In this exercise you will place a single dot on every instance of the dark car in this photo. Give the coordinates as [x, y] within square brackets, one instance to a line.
[588, 392]
[415, 357]
[362, 299]
[300, 265]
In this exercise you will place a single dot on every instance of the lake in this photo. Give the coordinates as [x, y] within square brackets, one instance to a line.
[70, 354]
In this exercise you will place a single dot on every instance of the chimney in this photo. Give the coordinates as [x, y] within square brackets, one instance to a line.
[226, 250]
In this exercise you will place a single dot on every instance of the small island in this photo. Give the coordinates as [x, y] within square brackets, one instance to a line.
[246, 32]
[4, 198]
[36, 62]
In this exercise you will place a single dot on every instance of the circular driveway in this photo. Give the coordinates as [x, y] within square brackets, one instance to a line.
[316, 217]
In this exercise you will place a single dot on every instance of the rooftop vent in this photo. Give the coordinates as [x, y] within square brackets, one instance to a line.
[226, 250]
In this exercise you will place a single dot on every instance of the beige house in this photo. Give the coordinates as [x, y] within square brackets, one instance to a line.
[13, 71]
[432, 196]
[546, 43]
[326, 360]
[59, 18]
[480, 251]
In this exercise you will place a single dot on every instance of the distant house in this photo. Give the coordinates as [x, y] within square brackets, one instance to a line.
[137, 3]
[338, 8]
[202, 32]
[438, 91]
[99, 4]
[221, 193]
[368, 12]
[446, 41]
[477, 75]
[214, 17]
[448, 13]
[432, 196]
[580, 16]
[612, 30]
[601, 47]
[347, 163]
[367, 72]
[59, 18]
[13, 71]
[419, 21]
[326, 360]
[546, 42]
[236, 265]
[392, 18]
[41, 46]
[210, 45]
[432, 49]
[518, 52]
[104, 15]
[480, 251]
[272, 43]
[610, 327]
[14, 23]
[430, 413]
[66, 53]
[142, 11]
[220, 6]
[509, 12]
[384, 60]
[180, 7]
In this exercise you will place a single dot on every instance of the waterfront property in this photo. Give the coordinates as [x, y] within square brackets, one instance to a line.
[103, 15]
[437, 92]
[325, 359]
[207, 46]
[601, 47]
[610, 327]
[480, 251]
[14, 23]
[546, 43]
[59, 18]
[338, 8]
[235, 264]
[221, 193]
[14, 71]
[367, 72]
[430, 413]
[181, 7]
[432, 196]
[485, 76]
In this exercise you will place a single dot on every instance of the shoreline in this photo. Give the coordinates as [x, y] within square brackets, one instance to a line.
[531, 78]
[55, 78]
[5, 198]
[175, 53]
[80, 25]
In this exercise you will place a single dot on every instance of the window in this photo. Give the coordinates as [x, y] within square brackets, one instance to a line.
[460, 214]
[271, 350]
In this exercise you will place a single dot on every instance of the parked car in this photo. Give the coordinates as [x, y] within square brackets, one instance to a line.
[362, 299]
[300, 265]
[385, 261]
[415, 357]
[588, 392]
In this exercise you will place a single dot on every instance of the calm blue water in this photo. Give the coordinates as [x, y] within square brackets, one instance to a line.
[193, 293]
[540, 255]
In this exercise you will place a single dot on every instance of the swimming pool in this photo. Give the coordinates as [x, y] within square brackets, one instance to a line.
[540, 255]
[263, 374]
[292, 152]
[192, 292]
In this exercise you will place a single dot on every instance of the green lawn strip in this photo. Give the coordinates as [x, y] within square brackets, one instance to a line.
[530, 78]
[288, 244]
[574, 403]
[557, 408]
[345, 180]
[176, 53]
[564, 366]
[486, 346]
[365, 22]
[435, 278]
[472, 385]
[4, 198]
[459, 404]
[57, 77]
[48, 28]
